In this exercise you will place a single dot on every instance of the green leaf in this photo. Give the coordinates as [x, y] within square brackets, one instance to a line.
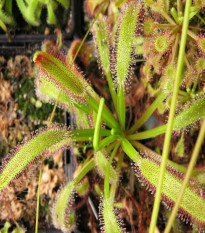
[3, 26]
[121, 106]
[193, 11]
[48, 92]
[46, 141]
[51, 7]
[125, 37]
[65, 77]
[191, 114]
[192, 204]
[62, 217]
[103, 46]
[8, 7]
[101, 163]
[6, 227]
[119, 3]
[7, 19]
[130, 150]
[28, 11]
[109, 219]
[124, 49]
[87, 134]
[102, 43]
[65, 3]
[147, 114]
[107, 115]
[96, 136]
[18, 230]
[180, 146]
[83, 187]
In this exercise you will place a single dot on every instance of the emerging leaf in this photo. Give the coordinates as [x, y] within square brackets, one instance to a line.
[85, 54]
[93, 6]
[180, 146]
[201, 44]
[102, 42]
[149, 26]
[161, 43]
[63, 219]
[200, 64]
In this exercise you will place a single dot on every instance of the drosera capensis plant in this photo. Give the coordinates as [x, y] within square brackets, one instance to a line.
[60, 81]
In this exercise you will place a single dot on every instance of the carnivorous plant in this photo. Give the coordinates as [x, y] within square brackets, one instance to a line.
[106, 129]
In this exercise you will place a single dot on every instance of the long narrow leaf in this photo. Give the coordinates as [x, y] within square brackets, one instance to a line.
[192, 206]
[124, 38]
[102, 43]
[189, 116]
[46, 141]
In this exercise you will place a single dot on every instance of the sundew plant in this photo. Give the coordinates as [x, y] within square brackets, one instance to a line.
[173, 68]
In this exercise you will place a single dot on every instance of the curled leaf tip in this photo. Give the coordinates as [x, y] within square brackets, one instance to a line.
[62, 216]
[65, 77]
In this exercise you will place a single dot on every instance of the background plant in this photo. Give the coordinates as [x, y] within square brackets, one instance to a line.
[162, 35]
[31, 11]
[61, 76]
